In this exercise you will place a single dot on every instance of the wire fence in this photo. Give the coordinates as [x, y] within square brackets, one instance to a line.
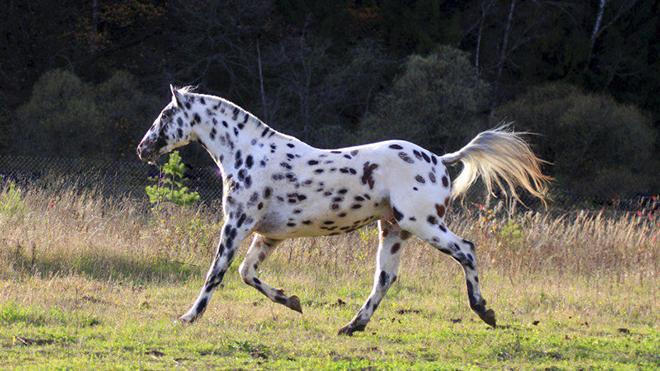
[129, 177]
[114, 178]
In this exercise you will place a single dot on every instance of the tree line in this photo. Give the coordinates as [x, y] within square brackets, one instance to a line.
[86, 78]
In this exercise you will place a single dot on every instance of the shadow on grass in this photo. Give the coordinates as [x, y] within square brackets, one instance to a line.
[104, 267]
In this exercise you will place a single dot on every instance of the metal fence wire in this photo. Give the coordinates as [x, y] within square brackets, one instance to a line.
[114, 178]
[129, 177]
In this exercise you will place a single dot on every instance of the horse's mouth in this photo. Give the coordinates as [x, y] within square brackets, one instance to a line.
[150, 158]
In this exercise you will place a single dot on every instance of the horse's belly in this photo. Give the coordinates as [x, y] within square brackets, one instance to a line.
[310, 221]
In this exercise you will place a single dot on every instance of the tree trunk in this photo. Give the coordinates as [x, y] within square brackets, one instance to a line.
[596, 30]
[95, 25]
[262, 91]
[505, 40]
[503, 51]
[485, 6]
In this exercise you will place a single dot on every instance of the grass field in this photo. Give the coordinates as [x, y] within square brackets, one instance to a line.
[93, 283]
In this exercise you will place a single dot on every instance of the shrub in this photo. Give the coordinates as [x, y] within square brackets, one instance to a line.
[12, 205]
[60, 118]
[437, 102]
[169, 187]
[127, 112]
[599, 148]
[68, 117]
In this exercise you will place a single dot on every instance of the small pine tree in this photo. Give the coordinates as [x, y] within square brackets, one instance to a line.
[169, 186]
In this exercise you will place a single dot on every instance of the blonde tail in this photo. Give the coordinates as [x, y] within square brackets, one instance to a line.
[499, 154]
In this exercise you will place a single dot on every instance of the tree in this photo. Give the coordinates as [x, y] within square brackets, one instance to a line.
[599, 147]
[437, 102]
[169, 187]
[61, 117]
[68, 117]
[599, 27]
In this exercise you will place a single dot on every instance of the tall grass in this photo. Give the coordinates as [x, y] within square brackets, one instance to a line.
[63, 229]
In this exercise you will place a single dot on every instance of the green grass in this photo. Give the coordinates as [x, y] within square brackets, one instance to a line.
[82, 322]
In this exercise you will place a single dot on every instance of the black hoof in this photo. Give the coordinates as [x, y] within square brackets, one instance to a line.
[294, 303]
[488, 316]
[350, 329]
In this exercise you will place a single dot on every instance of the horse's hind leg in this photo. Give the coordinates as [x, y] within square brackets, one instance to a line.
[389, 249]
[259, 250]
[464, 253]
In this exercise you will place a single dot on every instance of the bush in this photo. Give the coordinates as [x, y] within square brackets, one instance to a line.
[68, 117]
[169, 187]
[600, 148]
[127, 112]
[60, 118]
[12, 205]
[438, 102]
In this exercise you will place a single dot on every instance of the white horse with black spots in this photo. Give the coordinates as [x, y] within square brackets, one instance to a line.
[277, 187]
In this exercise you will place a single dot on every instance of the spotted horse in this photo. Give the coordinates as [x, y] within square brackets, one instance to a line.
[277, 187]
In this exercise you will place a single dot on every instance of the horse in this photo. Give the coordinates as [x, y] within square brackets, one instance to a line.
[277, 187]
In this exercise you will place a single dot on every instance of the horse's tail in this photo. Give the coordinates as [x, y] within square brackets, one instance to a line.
[499, 154]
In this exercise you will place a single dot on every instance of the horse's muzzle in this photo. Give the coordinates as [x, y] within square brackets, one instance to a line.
[147, 151]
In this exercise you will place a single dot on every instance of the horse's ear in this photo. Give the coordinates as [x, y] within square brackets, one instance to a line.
[177, 97]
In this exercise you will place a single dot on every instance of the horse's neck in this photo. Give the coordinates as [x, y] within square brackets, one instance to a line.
[230, 134]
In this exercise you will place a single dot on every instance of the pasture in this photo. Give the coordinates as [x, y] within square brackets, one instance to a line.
[91, 282]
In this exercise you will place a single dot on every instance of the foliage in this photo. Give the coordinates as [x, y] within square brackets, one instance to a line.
[127, 111]
[60, 118]
[170, 186]
[11, 200]
[437, 102]
[599, 147]
[512, 235]
[68, 117]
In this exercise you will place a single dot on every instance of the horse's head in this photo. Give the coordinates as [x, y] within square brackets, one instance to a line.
[171, 129]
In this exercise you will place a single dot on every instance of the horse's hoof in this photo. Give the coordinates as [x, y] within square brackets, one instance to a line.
[350, 329]
[187, 319]
[346, 330]
[488, 317]
[294, 303]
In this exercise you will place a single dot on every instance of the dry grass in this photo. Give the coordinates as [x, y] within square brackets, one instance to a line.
[45, 229]
[112, 261]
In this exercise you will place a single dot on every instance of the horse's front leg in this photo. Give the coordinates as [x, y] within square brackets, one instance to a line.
[234, 231]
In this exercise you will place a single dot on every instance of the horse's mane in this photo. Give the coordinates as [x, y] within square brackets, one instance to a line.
[187, 89]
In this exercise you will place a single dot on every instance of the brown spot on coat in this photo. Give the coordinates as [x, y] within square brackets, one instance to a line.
[367, 177]
[440, 209]
[384, 232]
